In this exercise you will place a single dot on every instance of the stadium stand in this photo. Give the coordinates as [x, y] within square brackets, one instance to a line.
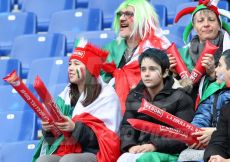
[161, 10]
[98, 38]
[11, 100]
[108, 12]
[72, 22]
[18, 126]
[7, 66]
[171, 7]
[21, 151]
[27, 48]
[51, 71]
[45, 8]
[13, 25]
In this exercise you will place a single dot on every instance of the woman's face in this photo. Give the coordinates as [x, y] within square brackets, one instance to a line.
[222, 74]
[126, 21]
[76, 71]
[206, 25]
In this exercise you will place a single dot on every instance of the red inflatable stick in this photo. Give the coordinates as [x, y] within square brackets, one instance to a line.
[167, 118]
[199, 70]
[161, 130]
[47, 99]
[180, 68]
[32, 101]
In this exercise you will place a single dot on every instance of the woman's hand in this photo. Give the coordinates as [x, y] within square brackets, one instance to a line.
[209, 63]
[142, 148]
[67, 126]
[218, 158]
[46, 126]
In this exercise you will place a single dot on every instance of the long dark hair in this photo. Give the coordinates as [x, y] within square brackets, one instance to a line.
[92, 90]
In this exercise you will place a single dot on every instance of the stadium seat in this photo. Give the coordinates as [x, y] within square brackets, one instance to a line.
[51, 71]
[161, 10]
[7, 66]
[82, 3]
[98, 38]
[21, 151]
[5, 6]
[27, 48]
[171, 7]
[45, 8]
[108, 8]
[18, 126]
[10, 100]
[56, 89]
[175, 34]
[13, 25]
[72, 22]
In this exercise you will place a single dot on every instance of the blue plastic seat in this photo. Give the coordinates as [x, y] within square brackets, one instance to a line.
[98, 38]
[72, 22]
[51, 71]
[10, 100]
[175, 34]
[21, 151]
[27, 48]
[161, 10]
[108, 8]
[7, 66]
[82, 3]
[13, 25]
[5, 5]
[45, 8]
[56, 89]
[18, 126]
[171, 6]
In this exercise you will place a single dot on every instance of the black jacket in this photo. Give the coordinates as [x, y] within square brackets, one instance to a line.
[220, 140]
[174, 101]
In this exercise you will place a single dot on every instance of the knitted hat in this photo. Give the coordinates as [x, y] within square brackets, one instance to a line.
[203, 4]
[91, 56]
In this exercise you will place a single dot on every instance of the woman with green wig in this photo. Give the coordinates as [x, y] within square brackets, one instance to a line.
[137, 26]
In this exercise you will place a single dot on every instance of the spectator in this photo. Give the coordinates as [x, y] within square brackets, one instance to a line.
[158, 87]
[207, 114]
[92, 113]
[207, 24]
[137, 25]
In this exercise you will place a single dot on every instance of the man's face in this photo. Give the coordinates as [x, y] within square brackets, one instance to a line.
[206, 24]
[222, 74]
[151, 73]
[126, 21]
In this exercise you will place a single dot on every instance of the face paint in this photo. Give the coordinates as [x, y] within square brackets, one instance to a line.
[78, 73]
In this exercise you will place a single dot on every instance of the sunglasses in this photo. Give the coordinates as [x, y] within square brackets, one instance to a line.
[127, 14]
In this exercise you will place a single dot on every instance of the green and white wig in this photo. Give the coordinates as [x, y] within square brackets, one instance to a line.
[203, 5]
[145, 18]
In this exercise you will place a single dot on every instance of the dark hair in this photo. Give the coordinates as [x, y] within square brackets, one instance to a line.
[92, 90]
[159, 56]
[226, 55]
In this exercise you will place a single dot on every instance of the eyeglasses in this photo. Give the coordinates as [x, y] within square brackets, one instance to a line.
[127, 14]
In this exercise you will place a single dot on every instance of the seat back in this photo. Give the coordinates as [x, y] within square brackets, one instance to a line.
[161, 11]
[5, 6]
[45, 8]
[18, 151]
[72, 22]
[28, 48]
[17, 126]
[13, 25]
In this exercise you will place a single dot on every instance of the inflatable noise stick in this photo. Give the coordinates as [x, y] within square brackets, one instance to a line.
[167, 118]
[48, 101]
[180, 68]
[162, 131]
[199, 70]
[31, 100]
